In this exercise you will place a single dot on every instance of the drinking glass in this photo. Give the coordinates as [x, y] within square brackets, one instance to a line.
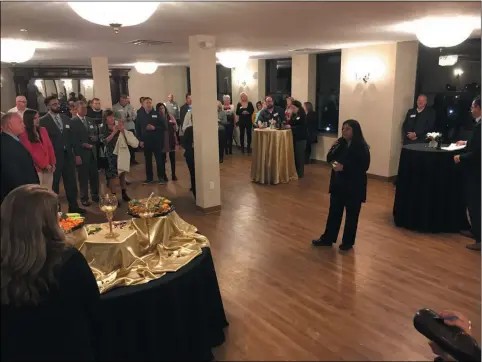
[108, 205]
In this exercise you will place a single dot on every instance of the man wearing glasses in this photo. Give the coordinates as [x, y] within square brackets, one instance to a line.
[20, 106]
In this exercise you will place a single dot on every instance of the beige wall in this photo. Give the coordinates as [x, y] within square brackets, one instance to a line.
[303, 78]
[250, 79]
[158, 85]
[100, 73]
[380, 104]
[7, 90]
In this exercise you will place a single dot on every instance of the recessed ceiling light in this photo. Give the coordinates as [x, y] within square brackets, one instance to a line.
[23, 30]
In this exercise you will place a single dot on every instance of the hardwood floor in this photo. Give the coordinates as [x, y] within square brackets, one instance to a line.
[286, 300]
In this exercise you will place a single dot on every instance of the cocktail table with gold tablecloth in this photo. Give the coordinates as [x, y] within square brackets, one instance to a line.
[177, 316]
[273, 156]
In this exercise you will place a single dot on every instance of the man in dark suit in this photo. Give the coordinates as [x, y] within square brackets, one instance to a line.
[418, 122]
[470, 160]
[150, 127]
[16, 165]
[67, 151]
[84, 129]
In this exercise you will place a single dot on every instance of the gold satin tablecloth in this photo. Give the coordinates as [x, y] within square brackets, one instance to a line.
[131, 258]
[273, 157]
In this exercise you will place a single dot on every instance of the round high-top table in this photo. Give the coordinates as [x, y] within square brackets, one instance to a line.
[273, 156]
[429, 191]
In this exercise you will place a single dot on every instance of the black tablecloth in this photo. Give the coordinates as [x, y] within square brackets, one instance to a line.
[179, 316]
[430, 191]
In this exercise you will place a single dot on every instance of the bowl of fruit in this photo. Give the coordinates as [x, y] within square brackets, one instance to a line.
[71, 222]
[158, 206]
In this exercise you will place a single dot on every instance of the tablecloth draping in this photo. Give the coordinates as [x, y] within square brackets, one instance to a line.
[273, 157]
[130, 258]
[429, 191]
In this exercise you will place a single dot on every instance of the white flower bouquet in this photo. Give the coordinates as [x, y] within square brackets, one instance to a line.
[434, 138]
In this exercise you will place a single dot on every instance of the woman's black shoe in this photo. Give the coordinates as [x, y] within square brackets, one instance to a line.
[322, 242]
[242, 149]
[345, 247]
[165, 178]
[125, 197]
[174, 178]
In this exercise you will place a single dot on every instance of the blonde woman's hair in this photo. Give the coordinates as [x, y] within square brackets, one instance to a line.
[243, 94]
[226, 96]
[32, 243]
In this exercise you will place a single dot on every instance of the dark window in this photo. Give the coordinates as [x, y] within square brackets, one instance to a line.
[328, 67]
[223, 81]
[278, 80]
[450, 95]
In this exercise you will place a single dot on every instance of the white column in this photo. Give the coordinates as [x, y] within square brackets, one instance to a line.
[380, 104]
[100, 72]
[202, 53]
[303, 78]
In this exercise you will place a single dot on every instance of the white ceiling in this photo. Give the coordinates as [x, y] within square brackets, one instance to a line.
[270, 29]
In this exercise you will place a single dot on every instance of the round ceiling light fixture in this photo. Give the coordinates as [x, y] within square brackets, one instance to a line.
[17, 50]
[444, 32]
[146, 67]
[233, 59]
[115, 14]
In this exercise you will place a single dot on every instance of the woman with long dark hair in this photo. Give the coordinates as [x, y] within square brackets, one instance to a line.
[350, 158]
[170, 139]
[49, 294]
[37, 141]
[312, 127]
[298, 128]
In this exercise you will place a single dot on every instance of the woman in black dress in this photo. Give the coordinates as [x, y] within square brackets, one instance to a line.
[49, 294]
[312, 127]
[244, 111]
[350, 158]
[109, 134]
[298, 128]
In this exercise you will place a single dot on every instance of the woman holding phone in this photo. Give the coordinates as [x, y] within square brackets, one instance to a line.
[350, 158]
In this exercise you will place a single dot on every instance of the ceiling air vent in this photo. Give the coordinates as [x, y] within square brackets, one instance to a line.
[148, 42]
[307, 50]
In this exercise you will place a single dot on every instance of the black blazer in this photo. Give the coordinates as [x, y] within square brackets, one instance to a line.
[182, 113]
[16, 165]
[63, 142]
[298, 126]
[151, 138]
[420, 123]
[312, 126]
[63, 326]
[352, 181]
[245, 119]
[85, 135]
[470, 159]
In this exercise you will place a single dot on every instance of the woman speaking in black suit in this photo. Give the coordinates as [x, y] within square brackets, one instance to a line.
[350, 157]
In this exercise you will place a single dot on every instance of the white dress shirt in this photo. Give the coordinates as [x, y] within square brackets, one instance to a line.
[15, 110]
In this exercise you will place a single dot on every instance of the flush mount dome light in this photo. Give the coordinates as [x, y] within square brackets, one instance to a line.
[233, 59]
[444, 31]
[17, 50]
[447, 60]
[115, 14]
[146, 67]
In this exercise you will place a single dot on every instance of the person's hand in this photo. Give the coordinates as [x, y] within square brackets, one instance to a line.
[150, 127]
[115, 129]
[457, 319]
[457, 158]
[287, 126]
[172, 121]
[78, 160]
[412, 136]
[141, 144]
[461, 143]
[87, 146]
[338, 167]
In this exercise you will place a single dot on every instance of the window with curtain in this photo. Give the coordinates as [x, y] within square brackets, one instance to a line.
[278, 80]
[328, 68]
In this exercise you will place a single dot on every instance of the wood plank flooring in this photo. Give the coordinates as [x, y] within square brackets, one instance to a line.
[286, 300]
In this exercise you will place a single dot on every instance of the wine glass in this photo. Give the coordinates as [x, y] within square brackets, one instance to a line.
[108, 204]
[146, 214]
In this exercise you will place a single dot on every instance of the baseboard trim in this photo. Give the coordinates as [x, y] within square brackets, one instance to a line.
[372, 176]
[209, 210]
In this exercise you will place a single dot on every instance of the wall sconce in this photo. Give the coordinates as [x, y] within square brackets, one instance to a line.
[458, 72]
[366, 69]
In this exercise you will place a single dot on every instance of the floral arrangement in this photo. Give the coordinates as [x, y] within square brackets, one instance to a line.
[435, 138]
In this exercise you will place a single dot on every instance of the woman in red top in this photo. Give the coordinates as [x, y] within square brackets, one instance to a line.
[36, 140]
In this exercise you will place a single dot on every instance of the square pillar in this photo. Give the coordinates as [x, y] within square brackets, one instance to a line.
[381, 103]
[303, 78]
[202, 54]
[100, 73]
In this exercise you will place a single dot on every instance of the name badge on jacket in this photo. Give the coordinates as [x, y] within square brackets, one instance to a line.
[91, 127]
[297, 118]
[154, 116]
[413, 116]
[67, 126]
[275, 115]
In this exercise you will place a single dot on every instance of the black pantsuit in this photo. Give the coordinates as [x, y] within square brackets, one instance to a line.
[245, 127]
[348, 190]
[221, 142]
[88, 174]
[229, 130]
[153, 149]
[245, 124]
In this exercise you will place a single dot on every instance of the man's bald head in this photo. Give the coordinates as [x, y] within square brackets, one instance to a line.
[12, 123]
[21, 103]
[170, 97]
